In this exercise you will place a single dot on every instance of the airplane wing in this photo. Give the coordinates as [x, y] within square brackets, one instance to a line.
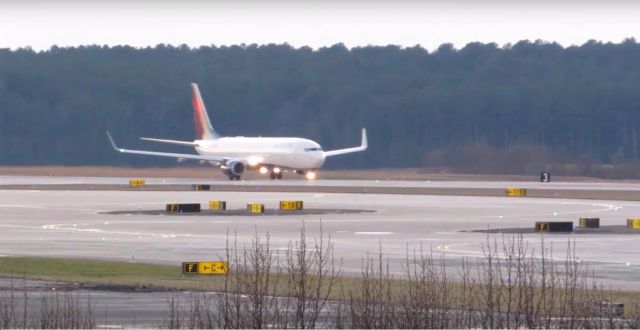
[166, 154]
[363, 146]
[183, 143]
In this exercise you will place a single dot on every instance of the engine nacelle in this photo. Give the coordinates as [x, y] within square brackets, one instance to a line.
[235, 167]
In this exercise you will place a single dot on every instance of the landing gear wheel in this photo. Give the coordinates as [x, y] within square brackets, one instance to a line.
[279, 176]
[237, 177]
[272, 176]
[234, 177]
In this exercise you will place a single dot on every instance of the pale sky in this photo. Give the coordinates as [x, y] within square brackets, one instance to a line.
[41, 23]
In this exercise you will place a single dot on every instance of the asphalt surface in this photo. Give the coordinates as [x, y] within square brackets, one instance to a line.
[71, 224]
[36, 180]
[610, 191]
[111, 310]
[74, 224]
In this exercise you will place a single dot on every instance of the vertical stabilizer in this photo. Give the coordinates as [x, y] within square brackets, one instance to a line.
[204, 130]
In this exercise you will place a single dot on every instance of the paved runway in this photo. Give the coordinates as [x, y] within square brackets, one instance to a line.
[69, 224]
[36, 180]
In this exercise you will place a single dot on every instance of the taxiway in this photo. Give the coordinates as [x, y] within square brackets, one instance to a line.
[74, 224]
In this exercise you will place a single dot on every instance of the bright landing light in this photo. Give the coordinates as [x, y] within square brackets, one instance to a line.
[264, 170]
[310, 175]
[254, 160]
[276, 170]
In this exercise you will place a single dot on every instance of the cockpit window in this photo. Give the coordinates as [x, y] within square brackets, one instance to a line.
[312, 149]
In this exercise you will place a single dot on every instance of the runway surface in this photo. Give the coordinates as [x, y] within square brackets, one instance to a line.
[36, 180]
[70, 223]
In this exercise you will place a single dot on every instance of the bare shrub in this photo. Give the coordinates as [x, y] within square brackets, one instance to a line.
[312, 275]
[51, 310]
[63, 310]
[371, 304]
[513, 285]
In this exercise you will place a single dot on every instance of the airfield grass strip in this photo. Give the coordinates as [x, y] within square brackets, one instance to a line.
[135, 275]
[150, 276]
[510, 286]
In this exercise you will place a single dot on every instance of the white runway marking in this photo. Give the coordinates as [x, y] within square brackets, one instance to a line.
[23, 206]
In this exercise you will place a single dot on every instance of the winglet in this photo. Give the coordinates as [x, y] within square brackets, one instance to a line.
[113, 144]
[365, 143]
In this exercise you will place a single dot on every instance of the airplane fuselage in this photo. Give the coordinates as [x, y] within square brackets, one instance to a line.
[234, 155]
[286, 152]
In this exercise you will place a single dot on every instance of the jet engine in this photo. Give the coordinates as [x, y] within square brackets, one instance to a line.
[236, 167]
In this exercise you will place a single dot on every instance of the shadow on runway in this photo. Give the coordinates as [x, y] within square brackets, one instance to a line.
[241, 212]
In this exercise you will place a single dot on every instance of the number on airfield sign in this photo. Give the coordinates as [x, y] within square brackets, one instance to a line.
[545, 177]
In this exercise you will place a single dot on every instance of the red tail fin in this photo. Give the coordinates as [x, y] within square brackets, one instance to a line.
[204, 130]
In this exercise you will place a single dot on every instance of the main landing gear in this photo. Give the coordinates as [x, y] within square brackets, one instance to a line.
[234, 177]
[275, 176]
[275, 173]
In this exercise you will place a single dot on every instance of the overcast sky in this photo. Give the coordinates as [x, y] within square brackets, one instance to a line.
[40, 24]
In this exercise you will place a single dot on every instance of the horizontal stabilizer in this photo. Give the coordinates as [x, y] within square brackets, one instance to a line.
[165, 154]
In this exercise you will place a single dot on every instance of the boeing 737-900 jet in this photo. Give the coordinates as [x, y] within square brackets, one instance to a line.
[235, 155]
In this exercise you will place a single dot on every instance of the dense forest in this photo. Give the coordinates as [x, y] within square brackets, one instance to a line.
[515, 108]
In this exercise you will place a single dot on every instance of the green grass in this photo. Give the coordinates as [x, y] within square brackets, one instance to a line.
[167, 277]
[104, 272]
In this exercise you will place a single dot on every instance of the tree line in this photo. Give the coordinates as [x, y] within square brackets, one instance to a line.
[482, 107]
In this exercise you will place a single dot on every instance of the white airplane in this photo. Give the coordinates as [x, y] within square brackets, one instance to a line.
[234, 155]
